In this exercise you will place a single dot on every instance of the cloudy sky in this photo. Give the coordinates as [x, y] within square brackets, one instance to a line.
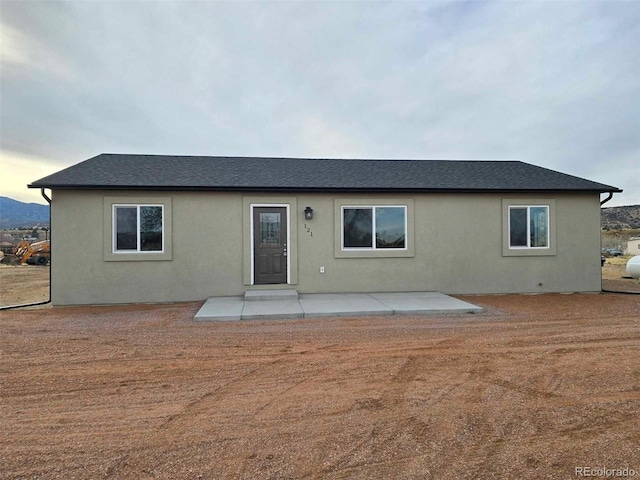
[556, 84]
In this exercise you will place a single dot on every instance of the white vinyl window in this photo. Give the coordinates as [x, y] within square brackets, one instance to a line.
[374, 227]
[138, 228]
[528, 226]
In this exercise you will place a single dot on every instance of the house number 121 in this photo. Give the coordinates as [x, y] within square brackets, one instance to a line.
[308, 229]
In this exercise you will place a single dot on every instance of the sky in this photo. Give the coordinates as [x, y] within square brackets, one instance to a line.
[555, 84]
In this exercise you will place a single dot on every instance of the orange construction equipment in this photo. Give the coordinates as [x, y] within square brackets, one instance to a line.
[37, 253]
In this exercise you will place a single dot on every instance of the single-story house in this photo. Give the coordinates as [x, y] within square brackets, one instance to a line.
[633, 246]
[158, 228]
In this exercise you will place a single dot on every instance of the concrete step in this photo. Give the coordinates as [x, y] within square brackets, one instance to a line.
[261, 295]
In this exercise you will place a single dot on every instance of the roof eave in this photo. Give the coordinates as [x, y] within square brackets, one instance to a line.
[322, 189]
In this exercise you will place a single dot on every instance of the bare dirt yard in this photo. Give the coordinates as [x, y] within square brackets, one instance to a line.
[614, 275]
[22, 284]
[535, 387]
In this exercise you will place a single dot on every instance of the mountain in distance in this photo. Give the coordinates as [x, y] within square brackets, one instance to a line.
[15, 214]
[620, 218]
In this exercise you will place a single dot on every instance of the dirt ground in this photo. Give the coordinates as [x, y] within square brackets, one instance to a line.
[614, 273]
[23, 284]
[532, 388]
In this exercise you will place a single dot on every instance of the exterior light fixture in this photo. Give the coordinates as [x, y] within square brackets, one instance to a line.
[308, 213]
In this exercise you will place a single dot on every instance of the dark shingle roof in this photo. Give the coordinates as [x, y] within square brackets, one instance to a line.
[169, 172]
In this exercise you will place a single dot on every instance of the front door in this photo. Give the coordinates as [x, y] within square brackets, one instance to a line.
[270, 245]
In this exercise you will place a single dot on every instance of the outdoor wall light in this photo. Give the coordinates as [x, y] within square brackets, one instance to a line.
[308, 213]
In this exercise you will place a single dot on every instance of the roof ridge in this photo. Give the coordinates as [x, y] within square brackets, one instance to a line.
[310, 158]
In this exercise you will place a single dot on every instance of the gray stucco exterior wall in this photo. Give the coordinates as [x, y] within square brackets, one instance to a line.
[455, 246]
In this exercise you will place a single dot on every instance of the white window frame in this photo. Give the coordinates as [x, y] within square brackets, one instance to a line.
[373, 236]
[138, 243]
[528, 223]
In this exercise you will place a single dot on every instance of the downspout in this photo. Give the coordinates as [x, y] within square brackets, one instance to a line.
[8, 307]
[602, 289]
[601, 202]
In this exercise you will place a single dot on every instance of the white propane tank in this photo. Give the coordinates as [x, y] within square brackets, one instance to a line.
[633, 266]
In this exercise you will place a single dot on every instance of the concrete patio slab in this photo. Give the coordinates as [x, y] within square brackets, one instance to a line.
[257, 310]
[220, 309]
[332, 305]
[424, 303]
[339, 304]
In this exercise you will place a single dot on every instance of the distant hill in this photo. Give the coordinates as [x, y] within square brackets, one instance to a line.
[15, 214]
[619, 218]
